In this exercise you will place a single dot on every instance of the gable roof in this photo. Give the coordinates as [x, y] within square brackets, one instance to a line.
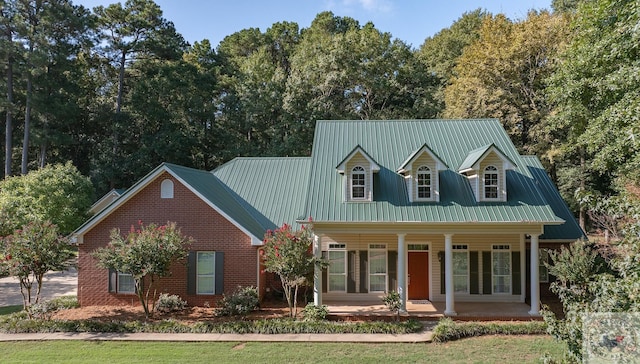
[424, 148]
[273, 190]
[391, 141]
[204, 185]
[476, 155]
[570, 230]
[358, 149]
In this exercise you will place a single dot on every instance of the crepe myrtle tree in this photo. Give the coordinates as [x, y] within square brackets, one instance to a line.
[289, 254]
[31, 252]
[146, 251]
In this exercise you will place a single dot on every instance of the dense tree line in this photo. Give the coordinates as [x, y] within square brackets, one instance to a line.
[117, 90]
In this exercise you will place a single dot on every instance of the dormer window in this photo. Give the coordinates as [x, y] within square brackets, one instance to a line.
[424, 182]
[491, 182]
[358, 182]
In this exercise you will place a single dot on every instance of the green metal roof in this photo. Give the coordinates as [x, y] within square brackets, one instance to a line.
[272, 189]
[216, 192]
[390, 142]
[570, 230]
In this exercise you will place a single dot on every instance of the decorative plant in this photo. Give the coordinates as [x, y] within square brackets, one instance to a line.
[393, 302]
[147, 251]
[289, 254]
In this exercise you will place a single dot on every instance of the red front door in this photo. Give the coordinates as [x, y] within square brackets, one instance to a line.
[418, 279]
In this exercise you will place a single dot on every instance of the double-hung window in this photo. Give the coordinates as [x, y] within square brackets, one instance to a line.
[460, 257]
[543, 257]
[501, 268]
[126, 284]
[337, 268]
[377, 267]
[205, 272]
[424, 182]
[491, 182]
[358, 183]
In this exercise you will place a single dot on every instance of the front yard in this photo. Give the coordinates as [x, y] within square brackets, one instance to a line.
[487, 349]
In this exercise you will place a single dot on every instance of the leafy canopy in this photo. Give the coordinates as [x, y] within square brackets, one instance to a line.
[57, 193]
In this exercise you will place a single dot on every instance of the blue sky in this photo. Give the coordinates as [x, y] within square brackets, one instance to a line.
[409, 20]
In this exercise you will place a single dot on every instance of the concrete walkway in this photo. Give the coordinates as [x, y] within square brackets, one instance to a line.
[54, 284]
[422, 337]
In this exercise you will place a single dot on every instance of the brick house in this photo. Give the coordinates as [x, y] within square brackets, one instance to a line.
[441, 210]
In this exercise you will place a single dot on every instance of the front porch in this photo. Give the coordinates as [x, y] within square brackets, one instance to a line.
[426, 310]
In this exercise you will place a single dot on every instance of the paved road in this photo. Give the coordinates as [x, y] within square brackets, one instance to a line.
[55, 284]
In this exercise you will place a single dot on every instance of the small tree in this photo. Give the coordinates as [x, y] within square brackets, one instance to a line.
[393, 302]
[31, 252]
[289, 255]
[147, 251]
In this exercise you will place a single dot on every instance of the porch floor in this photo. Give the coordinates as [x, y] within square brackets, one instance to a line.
[426, 310]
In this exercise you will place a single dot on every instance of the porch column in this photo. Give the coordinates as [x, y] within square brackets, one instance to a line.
[448, 275]
[402, 272]
[535, 279]
[523, 267]
[317, 272]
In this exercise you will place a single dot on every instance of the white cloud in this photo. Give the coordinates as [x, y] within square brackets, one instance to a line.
[371, 6]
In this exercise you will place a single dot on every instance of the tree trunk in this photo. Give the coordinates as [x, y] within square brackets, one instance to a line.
[9, 118]
[27, 125]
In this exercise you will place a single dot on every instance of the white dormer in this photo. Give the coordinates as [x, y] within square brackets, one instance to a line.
[421, 173]
[486, 169]
[358, 169]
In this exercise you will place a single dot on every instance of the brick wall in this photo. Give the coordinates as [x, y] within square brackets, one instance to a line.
[210, 230]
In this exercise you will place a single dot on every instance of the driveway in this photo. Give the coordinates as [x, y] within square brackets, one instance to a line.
[55, 284]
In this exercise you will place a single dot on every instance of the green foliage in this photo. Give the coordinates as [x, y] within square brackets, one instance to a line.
[44, 310]
[393, 302]
[448, 330]
[502, 75]
[57, 193]
[18, 323]
[241, 302]
[289, 255]
[170, 303]
[31, 252]
[148, 251]
[312, 312]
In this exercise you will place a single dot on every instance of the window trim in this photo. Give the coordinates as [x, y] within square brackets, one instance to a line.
[378, 248]
[358, 170]
[461, 249]
[342, 248]
[212, 275]
[491, 170]
[501, 248]
[429, 187]
[166, 189]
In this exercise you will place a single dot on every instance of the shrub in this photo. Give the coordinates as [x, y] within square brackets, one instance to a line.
[44, 310]
[393, 302]
[242, 301]
[315, 313]
[448, 330]
[170, 303]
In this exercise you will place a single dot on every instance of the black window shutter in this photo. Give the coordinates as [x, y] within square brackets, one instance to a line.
[325, 275]
[486, 273]
[393, 270]
[474, 274]
[515, 273]
[219, 266]
[191, 273]
[442, 273]
[113, 280]
[364, 271]
[351, 271]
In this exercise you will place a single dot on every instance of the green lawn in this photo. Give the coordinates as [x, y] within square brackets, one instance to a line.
[5, 310]
[488, 349]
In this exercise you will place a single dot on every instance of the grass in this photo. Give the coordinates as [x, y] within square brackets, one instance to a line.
[5, 310]
[488, 349]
